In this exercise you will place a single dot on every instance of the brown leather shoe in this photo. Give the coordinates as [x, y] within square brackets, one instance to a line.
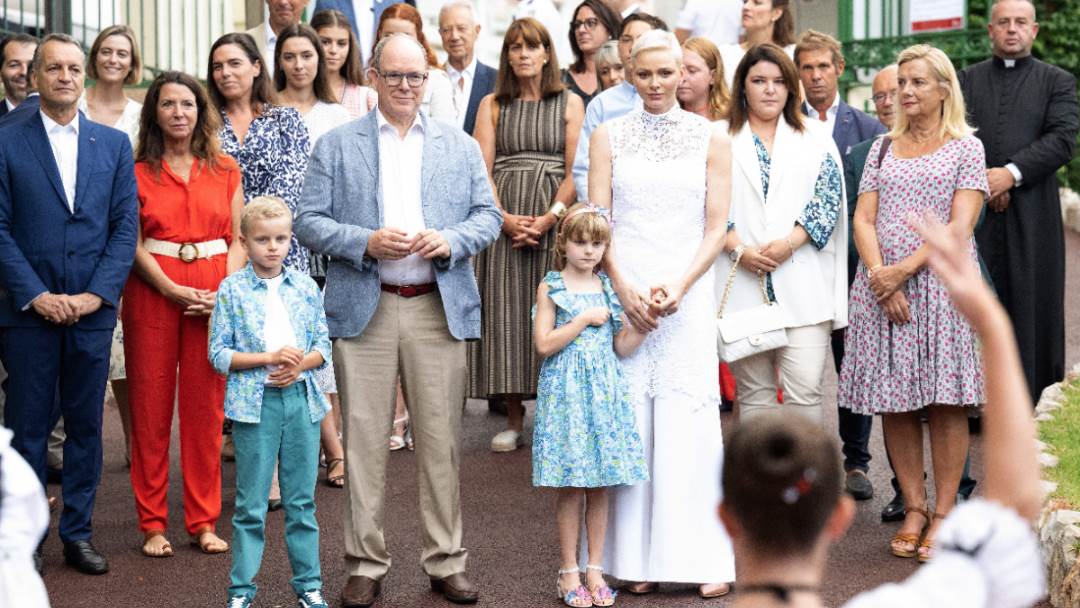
[360, 592]
[456, 588]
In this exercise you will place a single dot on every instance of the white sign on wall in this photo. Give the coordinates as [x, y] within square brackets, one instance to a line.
[926, 16]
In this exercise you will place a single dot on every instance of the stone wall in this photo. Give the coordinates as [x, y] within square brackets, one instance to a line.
[1070, 209]
[1059, 525]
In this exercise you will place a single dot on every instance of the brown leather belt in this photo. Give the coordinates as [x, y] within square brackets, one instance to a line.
[410, 291]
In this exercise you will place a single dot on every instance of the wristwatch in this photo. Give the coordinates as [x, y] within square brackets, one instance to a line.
[736, 252]
[558, 209]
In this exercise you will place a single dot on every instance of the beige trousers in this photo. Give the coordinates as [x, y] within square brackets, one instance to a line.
[799, 367]
[407, 336]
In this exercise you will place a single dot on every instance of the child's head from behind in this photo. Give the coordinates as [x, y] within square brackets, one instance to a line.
[782, 487]
[265, 233]
[583, 237]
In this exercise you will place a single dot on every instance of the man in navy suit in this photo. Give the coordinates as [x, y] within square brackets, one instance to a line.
[68, 226]
[471, 79]
[364, 16]
[820, 65]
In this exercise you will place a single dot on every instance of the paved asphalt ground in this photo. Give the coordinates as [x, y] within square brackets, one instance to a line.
[509, 530]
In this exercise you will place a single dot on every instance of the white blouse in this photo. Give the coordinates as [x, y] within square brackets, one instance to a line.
[323, 117]
[128, 121]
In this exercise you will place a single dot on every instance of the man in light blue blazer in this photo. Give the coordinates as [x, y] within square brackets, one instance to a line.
[400, 203]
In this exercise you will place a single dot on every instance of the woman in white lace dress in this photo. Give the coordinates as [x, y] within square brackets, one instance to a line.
[665, 174]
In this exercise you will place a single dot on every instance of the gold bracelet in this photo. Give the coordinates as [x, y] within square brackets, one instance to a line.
[870, 272]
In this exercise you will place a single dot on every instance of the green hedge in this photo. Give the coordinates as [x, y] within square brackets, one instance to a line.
[1058, 43]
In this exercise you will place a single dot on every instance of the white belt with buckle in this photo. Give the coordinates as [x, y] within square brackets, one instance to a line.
[187, 252]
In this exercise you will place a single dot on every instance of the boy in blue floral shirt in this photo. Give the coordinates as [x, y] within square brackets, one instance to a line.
[268, 333]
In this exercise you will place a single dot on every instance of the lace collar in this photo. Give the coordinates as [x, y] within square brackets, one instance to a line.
[674, 115]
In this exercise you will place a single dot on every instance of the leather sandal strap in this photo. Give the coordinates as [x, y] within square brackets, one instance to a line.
[921, 511]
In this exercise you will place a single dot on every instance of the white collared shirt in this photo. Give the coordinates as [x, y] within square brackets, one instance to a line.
[10, 106]
[400, 160]
[463, 91]
[365, 27]
[271, 43]
[64, 141]
[830, 114]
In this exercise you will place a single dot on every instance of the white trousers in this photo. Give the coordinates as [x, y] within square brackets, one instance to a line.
[667, 529]
[799, 367]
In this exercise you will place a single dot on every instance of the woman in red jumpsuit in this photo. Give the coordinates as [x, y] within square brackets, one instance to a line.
[189, 211]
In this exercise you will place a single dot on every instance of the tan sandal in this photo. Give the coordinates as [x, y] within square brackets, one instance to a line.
[208, 542]
[912, 539]
[924, 552]
[151, 548]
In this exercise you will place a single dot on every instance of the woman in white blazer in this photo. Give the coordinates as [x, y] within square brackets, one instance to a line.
[787, 230]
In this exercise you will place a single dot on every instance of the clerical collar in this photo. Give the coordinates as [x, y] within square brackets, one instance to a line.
[1009, 64]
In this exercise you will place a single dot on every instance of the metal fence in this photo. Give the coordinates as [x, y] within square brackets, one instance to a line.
[873, 33]
[172, 34]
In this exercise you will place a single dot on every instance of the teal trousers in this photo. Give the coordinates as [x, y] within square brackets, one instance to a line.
[286, 435]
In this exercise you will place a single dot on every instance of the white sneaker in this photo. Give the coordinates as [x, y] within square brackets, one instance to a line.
[507, 441]
[311, 599]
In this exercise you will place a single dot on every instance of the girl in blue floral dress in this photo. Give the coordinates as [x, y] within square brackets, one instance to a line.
[585, 438]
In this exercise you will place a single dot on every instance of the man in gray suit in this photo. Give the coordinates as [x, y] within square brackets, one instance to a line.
[400, 203]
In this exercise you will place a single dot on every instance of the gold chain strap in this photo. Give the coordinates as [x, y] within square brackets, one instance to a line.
[731, 281]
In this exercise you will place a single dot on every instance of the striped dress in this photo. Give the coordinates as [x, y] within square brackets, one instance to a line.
[530, 146]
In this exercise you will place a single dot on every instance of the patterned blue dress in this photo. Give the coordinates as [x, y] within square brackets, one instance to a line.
[273, 161]
[585, 435]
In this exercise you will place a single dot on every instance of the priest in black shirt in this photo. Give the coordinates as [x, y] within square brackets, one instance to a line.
[1026, 113]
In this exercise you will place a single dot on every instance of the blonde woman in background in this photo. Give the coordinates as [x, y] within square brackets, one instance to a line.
[113, 63]
[610, 70]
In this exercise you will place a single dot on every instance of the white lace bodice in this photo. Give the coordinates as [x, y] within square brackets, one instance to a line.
[658, 205]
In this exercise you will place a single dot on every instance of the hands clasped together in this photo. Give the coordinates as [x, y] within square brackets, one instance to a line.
[396, 244]
[526, 230]
[286, 363]
[644, 310]
[64, 309]
[195, 302]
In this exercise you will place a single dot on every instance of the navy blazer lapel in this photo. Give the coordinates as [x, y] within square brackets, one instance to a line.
[87, 153]
[842, 128]
[481, 86]
[38, 142]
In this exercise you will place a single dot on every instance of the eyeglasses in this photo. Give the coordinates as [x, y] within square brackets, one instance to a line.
[590, 24]
[393, 79]
[880, 97]
[461, 30]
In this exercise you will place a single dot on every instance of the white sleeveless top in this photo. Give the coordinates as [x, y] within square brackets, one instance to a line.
[658, 207]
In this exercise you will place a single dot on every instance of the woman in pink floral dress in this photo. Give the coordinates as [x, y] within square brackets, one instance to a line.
[908, 347]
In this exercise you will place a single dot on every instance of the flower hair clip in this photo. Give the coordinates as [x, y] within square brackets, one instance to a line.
[590, 207]
[800, 488]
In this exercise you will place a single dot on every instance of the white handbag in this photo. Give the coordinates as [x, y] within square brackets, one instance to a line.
[751, 331]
